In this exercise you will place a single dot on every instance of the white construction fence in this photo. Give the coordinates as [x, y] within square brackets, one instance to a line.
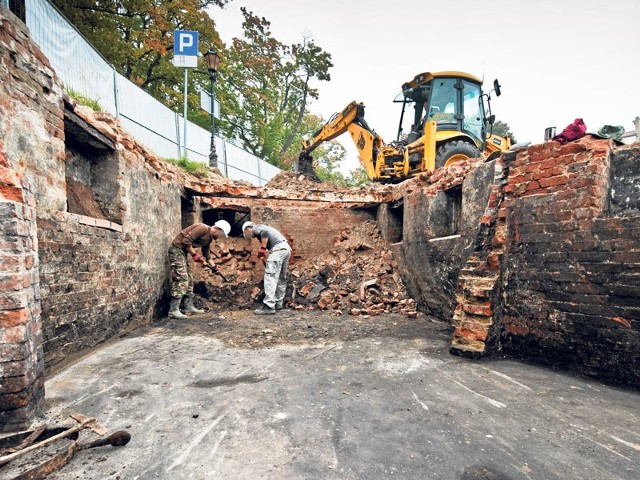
[82, 69]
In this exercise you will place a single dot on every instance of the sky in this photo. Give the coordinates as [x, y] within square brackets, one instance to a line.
[556, 60]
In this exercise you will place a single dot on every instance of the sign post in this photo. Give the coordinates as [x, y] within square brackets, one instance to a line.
[185, 54]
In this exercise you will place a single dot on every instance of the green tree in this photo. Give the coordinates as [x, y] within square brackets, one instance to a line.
[502, 129]
[358, 178]
[265, 88]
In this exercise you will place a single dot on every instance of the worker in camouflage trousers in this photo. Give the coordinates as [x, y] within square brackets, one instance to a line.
[276, 264]
[198, 235]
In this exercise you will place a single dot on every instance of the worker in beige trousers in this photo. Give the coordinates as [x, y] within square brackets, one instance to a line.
[276, 265]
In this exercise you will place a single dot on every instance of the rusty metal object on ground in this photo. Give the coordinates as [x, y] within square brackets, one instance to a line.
[32, 437]
[85, 422]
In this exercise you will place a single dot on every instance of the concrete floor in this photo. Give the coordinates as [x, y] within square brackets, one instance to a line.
[386, 405]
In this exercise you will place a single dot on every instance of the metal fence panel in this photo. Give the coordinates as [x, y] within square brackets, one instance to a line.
[75, 61]
[267, 171]
[141, 108]
[83, 69]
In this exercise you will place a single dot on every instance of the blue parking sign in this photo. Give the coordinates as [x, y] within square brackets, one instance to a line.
[185, 42]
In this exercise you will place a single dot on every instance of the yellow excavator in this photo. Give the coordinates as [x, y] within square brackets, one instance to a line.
[445, 118]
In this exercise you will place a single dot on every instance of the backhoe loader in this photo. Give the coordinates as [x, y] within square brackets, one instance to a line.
[445, 118]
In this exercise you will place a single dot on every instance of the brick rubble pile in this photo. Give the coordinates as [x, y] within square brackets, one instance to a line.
[358, 276]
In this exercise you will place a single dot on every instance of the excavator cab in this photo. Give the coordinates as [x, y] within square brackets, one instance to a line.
[453, 101]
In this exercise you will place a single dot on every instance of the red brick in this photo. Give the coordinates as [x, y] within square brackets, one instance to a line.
[12, 401]
[13, 335]
[13, 318]
[533, 185]
[548, 182]
[483, 309]
[470, 334]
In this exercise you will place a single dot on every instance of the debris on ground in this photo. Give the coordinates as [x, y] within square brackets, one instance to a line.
[38, 453]
[240, 267]
[358, 276]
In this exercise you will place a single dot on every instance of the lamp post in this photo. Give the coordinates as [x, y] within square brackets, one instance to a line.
[213, 60]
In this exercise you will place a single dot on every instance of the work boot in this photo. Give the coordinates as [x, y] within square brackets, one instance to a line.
[174, 309]
[279, 306]
[189, 307]
[264, 310]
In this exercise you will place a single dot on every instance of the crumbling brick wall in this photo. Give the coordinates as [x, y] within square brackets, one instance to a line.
[313, 229]
[101, 275]
[70, 280]
[572, 259]
[27, 87]
[435, 245]
[545, 262]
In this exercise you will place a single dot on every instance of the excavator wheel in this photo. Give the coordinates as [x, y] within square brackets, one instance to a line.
[455, 151]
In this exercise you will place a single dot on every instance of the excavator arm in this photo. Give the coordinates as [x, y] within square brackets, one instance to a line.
[350, 119]
[382, 162]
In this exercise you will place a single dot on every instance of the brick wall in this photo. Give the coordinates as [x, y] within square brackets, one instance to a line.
[27, 84]
[546, 260]
[433, 251]
[312, 228]
[70, 281]
[99, 276]
[572, 259]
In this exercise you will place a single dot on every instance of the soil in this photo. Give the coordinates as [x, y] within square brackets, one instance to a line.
[81, 201]
[244, 329]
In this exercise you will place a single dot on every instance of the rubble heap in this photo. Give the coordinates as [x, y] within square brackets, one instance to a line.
[293, 181]
[287, 180]
[358, 276]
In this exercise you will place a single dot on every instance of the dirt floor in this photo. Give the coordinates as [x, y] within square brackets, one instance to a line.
[290, 327]
[320, 396]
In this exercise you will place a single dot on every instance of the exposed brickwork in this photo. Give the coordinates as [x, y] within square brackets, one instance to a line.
[26, 85]
[478, 312]
[313, 229]
[21, 357]
[430, 255]
[545, 263]
[68, 282]
[534, 254]
[572, 296]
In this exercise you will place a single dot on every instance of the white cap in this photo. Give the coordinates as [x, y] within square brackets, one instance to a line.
[246, 225]
[224, 226]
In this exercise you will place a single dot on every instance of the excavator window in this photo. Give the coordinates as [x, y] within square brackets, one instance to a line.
[473, 111]
[444, 103]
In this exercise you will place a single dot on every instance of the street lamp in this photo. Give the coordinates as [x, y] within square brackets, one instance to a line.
[213, 60]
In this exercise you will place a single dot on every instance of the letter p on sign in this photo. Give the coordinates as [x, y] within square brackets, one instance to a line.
[186, 41]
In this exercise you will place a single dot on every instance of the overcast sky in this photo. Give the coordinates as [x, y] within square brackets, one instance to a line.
[556, 60]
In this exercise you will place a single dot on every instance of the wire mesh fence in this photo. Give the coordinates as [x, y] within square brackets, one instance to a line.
[82, 69]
